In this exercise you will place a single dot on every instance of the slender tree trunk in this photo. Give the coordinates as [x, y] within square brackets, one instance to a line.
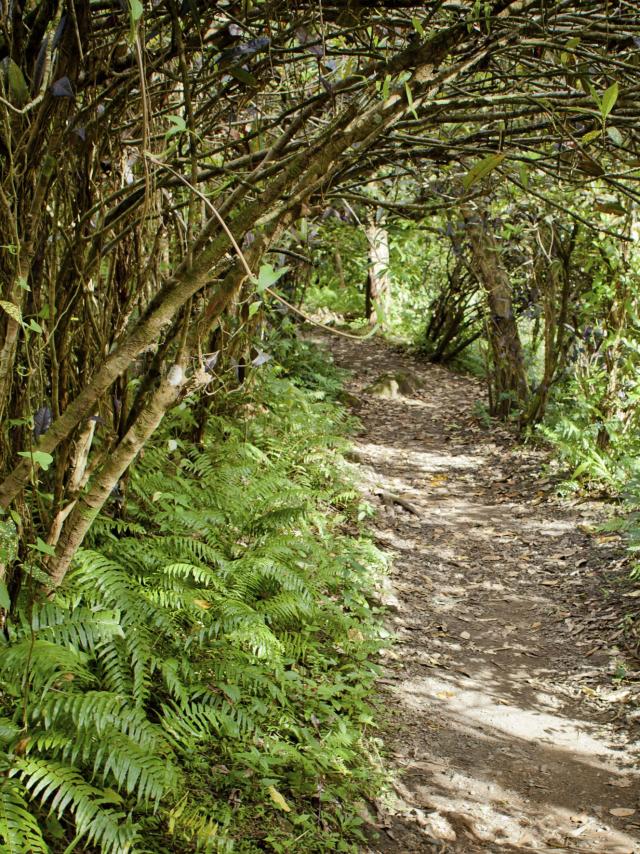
[510, 386]
[340, 270]
[90, 503]
[556, 287]
[377, 289]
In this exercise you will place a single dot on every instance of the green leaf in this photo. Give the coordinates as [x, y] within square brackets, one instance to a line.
[5, 599]
[43, 547]
[18, 89]
[268, 276]
[35, 327]
[482, 168]
[243, 75]
[386, 87]
[278, 799]
[136, 10]
[410, 101]
[179, 126]
[614, 135]
[254, 307]
[524, 175]
[589, 137]
[609, 99]
[12, 310]
[40, 458]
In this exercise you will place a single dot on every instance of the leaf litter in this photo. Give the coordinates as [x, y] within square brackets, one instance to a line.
[494, 744]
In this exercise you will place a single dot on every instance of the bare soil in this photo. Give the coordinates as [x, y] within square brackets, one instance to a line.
[509, 726]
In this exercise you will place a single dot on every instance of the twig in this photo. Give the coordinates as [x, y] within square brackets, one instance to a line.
[392, 498]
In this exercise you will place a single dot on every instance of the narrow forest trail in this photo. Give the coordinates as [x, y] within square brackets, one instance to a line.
[505, 729]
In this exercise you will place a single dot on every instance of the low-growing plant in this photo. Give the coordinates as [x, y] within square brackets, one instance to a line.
[202, 681]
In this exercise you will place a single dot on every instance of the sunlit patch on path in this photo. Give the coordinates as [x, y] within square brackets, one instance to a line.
[506, 731]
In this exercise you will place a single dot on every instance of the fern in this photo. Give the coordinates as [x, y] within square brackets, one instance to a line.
[213, 638]
[63, 787]
[19, 828]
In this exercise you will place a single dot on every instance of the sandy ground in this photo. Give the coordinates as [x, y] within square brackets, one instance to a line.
[506, 729]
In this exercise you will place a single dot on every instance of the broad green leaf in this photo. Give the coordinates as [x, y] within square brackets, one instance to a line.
[609, 99]
[179, 126]
[12, 310]
[136, 10]
[18, 89]
[386, 87]
[524, 175]
[243, 75]
[40, 458]
[278, 799]
[43, 547]
[482, 168]
[593, 134]
[614, 135]
[268, 276]
[253, 308]
[5, 599]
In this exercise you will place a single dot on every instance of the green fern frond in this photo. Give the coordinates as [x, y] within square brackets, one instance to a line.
[82, 629]
[19, 829]
[62, 787]
[43, 663]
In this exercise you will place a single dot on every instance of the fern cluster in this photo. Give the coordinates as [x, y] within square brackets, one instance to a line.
[202, 680]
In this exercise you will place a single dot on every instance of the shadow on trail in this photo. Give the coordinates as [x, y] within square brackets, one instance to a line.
[501, 736]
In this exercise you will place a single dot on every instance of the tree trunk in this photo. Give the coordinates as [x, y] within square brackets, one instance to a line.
[377, 289]
[90, 503]
[509, 380]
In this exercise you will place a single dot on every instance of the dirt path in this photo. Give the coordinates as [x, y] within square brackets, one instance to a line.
[507, 731]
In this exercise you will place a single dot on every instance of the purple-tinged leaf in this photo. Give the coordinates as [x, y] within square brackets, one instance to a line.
[42, 420]
[302, 35]
[59, 31]
[211, 361]
[62, 88]
[260, 359]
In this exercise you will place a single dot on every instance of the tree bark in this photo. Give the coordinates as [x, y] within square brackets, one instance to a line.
[377, 287]
[509, 379]
[90, 503]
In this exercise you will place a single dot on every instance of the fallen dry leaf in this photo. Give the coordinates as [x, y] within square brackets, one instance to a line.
[622, 812]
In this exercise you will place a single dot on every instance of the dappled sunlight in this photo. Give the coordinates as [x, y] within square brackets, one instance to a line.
[472, 705]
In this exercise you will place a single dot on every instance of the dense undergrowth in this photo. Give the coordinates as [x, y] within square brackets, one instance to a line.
[202, 680]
